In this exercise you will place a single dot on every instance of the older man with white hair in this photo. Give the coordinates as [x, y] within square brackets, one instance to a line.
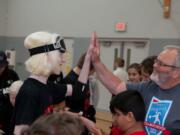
[161, 93]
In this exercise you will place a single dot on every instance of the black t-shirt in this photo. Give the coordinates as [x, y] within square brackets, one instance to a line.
[34, 99]
[6, 79]
[81, 104]
[57, 79]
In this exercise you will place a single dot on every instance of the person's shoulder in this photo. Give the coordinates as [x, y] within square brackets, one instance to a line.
[149, 85]
[31, 84]
[73, 73]
[117, 70]
[54, 86]
[11, 72]
[141, 86]
[120, 70]
[71, 77]
[30, 88]
[177, 86]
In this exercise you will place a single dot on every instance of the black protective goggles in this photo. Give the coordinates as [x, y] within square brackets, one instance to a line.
[59, 45]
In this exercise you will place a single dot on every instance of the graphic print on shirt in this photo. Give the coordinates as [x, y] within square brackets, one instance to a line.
[156, 116]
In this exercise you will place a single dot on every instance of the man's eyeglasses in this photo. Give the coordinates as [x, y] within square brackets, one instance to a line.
[160, 63]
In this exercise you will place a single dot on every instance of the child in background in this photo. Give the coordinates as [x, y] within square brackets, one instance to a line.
[55, 124]
[147, 67]
[119, 69]
[134, 72]
[128, 111]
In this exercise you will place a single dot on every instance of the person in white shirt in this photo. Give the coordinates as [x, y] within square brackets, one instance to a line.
[119, 69]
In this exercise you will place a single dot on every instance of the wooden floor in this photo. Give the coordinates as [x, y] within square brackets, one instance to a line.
[104, 120]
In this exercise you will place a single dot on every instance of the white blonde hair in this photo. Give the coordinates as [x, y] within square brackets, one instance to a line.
[15, 86]
[38, 64]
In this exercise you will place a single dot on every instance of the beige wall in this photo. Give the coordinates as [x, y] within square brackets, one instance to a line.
[3, 16]
[80, 17]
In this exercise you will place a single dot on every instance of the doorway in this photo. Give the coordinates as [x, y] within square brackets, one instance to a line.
[131, 50]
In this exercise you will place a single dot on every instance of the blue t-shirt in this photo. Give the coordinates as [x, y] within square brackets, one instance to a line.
[163, 109]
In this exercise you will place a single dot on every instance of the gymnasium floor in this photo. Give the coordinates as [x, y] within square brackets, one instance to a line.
[104, 120]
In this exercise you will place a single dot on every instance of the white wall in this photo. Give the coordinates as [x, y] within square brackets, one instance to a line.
[3, 19]
[78, 18]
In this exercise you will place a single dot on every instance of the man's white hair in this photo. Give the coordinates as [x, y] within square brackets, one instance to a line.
[177, 48]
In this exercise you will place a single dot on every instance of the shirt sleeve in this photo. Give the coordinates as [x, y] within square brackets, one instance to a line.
[14, 75]
[136, 86]
[58, 92]
[71, 78]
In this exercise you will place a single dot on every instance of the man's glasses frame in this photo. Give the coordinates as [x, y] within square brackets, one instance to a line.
[160, 63]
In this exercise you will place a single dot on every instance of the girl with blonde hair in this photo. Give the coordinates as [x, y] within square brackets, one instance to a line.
[37, 96]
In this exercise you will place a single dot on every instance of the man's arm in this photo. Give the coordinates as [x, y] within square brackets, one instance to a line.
[110, 81]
